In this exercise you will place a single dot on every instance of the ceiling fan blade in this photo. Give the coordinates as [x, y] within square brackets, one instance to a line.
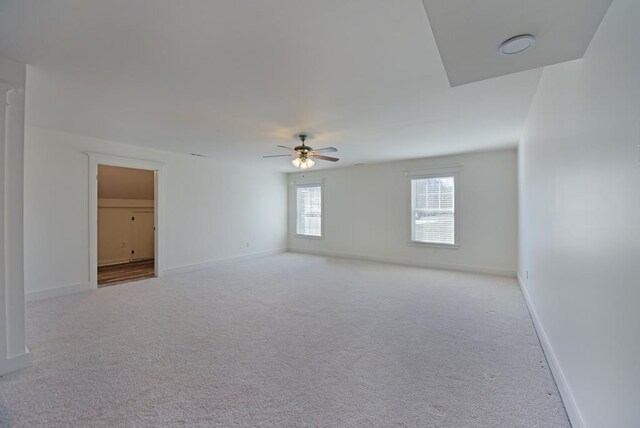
[326, 150]
[276, 156]
[285, 147]
[327, 158]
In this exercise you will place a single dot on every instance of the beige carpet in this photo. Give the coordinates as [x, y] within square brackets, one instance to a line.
[287, 340]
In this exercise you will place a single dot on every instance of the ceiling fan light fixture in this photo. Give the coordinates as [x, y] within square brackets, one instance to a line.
[306, 163]
[304, 153]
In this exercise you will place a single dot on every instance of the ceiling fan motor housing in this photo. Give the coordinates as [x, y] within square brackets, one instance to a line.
[303, 149]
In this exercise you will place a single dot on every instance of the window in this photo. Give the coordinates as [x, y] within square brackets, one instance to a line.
[309, 210]
[433, 210]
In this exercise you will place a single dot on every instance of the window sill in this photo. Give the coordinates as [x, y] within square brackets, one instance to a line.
[308, 236]
[434, 245]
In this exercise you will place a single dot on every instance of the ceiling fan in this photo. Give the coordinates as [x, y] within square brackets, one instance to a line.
[304, 154]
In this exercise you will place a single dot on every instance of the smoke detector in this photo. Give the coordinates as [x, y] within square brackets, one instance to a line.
[517, 44]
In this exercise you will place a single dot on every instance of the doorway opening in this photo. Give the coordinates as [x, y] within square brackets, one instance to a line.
[126, 224]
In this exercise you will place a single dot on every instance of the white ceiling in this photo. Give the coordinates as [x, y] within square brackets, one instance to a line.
[468, 33]
[233, 79]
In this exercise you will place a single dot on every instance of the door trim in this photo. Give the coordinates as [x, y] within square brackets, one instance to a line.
[96, 159]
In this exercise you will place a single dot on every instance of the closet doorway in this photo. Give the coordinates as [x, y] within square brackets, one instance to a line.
[126, 224]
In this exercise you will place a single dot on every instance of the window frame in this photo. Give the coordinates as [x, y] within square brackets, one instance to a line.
[453, 171]
[303, 184]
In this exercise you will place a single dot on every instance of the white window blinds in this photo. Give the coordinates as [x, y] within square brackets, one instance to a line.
[309, 210]
[433, 210]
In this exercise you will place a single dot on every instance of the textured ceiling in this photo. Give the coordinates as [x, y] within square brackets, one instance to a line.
[233, 79]
[468, 33]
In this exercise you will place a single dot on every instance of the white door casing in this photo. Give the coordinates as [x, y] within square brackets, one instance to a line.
[96, 159]
[14, 353]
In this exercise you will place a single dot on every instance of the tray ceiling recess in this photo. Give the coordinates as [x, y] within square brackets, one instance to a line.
[469, 34]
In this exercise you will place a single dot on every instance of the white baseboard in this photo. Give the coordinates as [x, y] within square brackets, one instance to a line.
[55, 292]
[575, 416]
[211, 263]
[428, 265]
[122, 261]
[15, 363]
[75, 288]
[113, 262]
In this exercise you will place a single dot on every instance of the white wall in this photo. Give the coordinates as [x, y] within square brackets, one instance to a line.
[213, 209]
[366, 213]
[580, 222]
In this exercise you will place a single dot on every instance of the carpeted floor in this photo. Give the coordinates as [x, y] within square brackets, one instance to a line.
[287, 340]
